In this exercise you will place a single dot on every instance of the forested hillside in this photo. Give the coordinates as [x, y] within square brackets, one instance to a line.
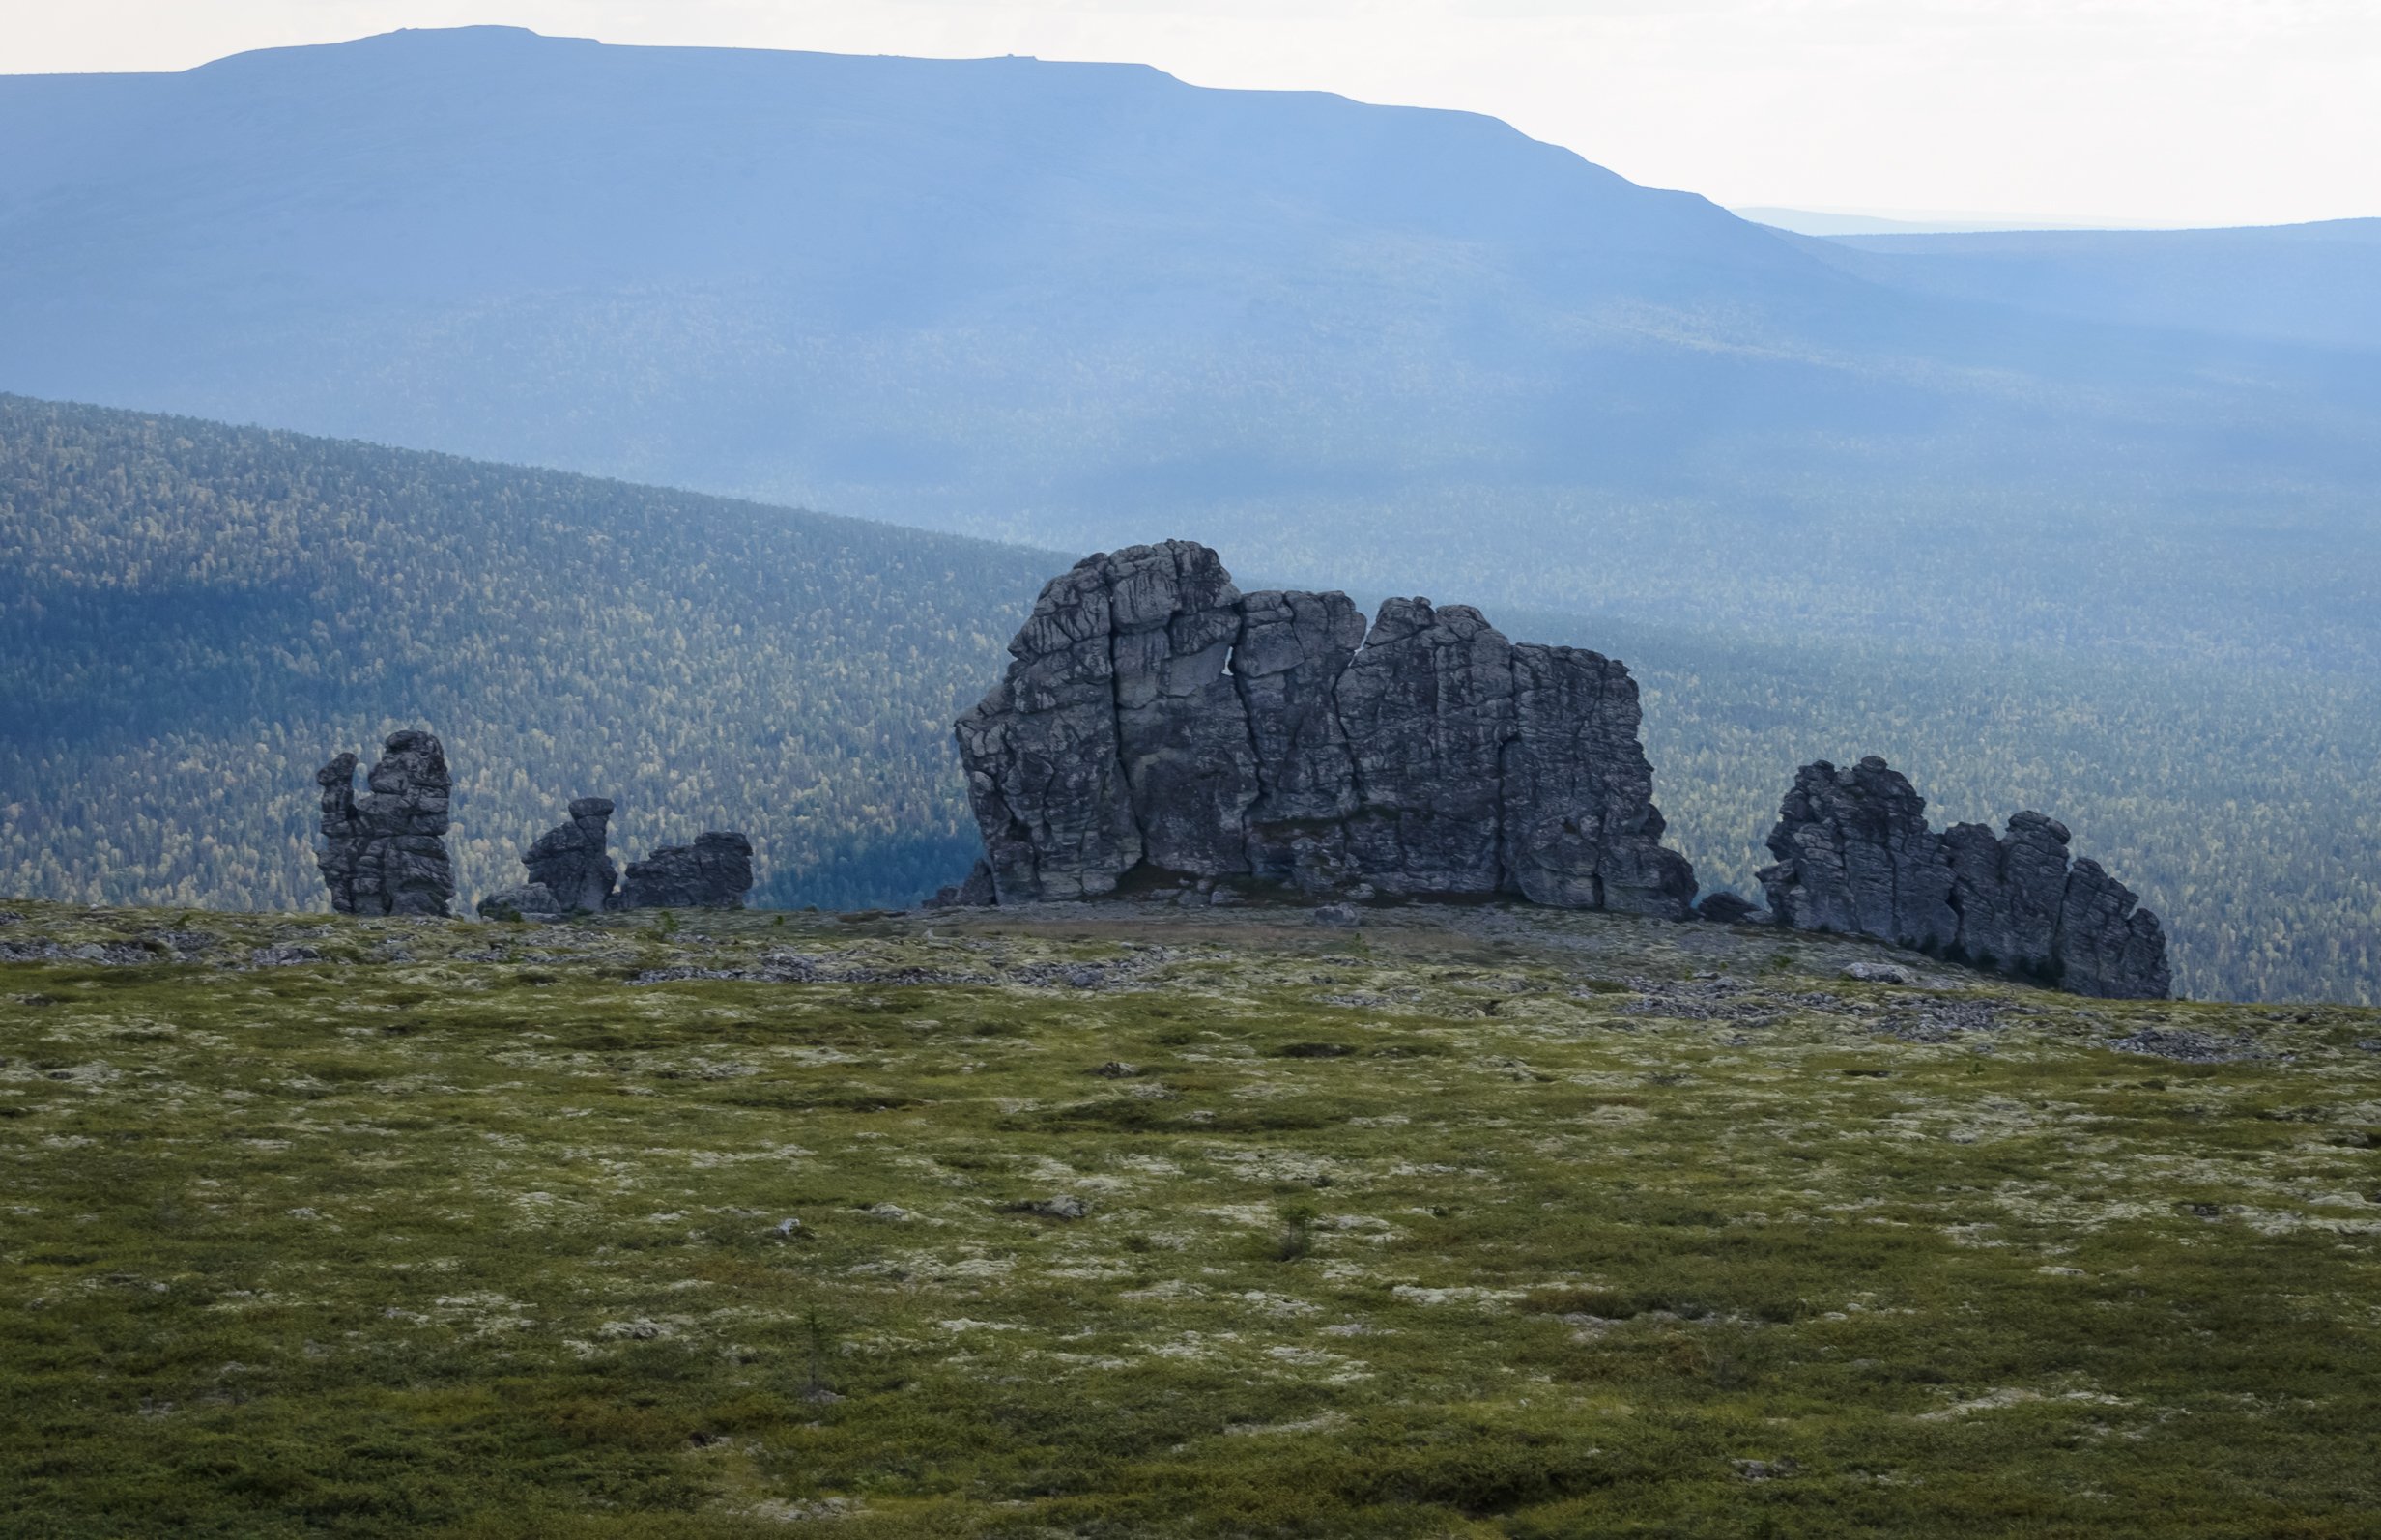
[194, 616]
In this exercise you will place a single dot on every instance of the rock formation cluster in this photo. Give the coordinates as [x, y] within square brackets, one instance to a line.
[384, 852]
[571, 872]
[1159, 725]
[1854, 855]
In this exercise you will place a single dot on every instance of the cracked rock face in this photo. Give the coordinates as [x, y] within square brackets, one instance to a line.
[571, 861]
[1854, 855]
[385, 853]
[1156, 723]
[714, 872]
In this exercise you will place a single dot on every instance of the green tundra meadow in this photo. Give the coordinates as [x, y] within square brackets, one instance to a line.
[1127, 1219]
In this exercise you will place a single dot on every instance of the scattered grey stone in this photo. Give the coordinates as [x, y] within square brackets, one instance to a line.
[2370, 1044]
[2188, 1048]
[572, 862]
[888, 1211]
[975, 892]
[1339, 914]
[383, 854]
[1879, 973]
[1855, 856]
[531, 901]
[1062, 1207]
[1767, 1469]
[1223, 898]
[1085, 977]
[1117, 1070]
[1156, 720]
[282, 955]
[9, 917]
[111, 954]
[787, 1226]
[714, 872]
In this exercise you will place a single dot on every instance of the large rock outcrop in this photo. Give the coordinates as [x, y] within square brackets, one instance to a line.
[1156, 724]
[1854, 855]
[714, 872]
[384, 852]
[573, 862]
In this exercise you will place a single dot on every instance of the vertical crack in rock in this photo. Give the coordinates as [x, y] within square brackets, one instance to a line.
[1291, 651]
[1188, 764]
[384, 852]
[1428, 704]
[1854, 855]
[1271, 737]
[1581, 827]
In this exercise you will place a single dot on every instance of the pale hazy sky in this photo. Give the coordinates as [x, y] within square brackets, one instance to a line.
[2163, 111]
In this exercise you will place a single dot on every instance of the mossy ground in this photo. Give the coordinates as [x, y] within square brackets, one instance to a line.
[1477, 1222]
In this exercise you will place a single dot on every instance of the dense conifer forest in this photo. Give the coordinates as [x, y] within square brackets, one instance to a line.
[194, 616]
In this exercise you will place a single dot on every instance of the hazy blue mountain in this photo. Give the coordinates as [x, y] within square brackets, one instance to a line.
[2318, 284]
[1081, 305]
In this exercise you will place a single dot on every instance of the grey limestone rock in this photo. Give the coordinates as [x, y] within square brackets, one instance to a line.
[1158, 724]
[1190, 767]
[1044, 772]
[1580, 828]
[2108, 945]
[385, 853]
[1293, 648]
[531, 901]
[1854, 855]
[572, 862]
[714, 872]
[1879, 973]
[1428, 707]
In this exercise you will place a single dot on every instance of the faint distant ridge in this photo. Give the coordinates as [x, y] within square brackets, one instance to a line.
[2316, 284]
[1841, 222]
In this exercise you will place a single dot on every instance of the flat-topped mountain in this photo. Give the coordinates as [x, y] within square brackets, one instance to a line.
[1064, 302]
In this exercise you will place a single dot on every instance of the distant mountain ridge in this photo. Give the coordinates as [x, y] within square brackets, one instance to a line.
[1067, 304]
[2316, 285]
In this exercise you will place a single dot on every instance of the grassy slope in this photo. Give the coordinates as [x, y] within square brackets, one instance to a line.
[1477, 1222]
